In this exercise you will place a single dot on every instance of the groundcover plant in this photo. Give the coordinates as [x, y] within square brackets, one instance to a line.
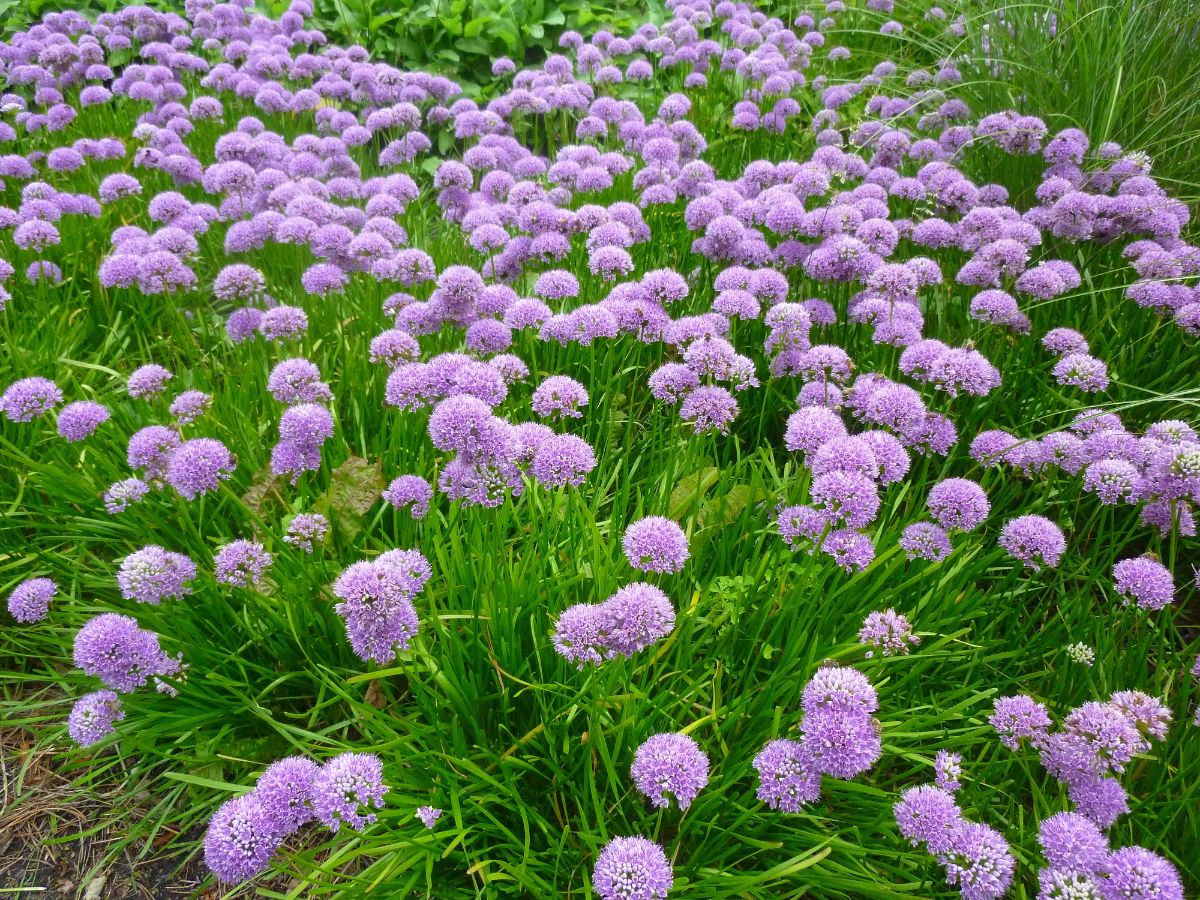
[726, 461]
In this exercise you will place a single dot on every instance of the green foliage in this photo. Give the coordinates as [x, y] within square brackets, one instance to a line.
[462, 37]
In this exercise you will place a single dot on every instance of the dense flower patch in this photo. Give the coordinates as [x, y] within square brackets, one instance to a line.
[401, 387]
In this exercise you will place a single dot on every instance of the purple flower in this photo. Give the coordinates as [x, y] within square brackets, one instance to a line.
[1064, 342]
[281, 323]
[635, 617]
[928, 815]
[947, 768]
[241, 563]
[305, 530]
[810, 427]
[632, 867]
[670, 765]
[240, 840]
[978, 861]
[787, 779]
[152, 574]
[1082, 371]
[189, 406]
[376, 605]
[1073, 842]
[709, 408]
[556, 284]
[958, 504]
[428, 815]
[297, 381]
[924, 540]
[92, 716]
[1020, 718]
[147, 381]
[846, 497]
[198, 466]
[559, 396]
[346, 788]
[323, 279]
[1134, 872]
[655, 544]
[114, 649]
[1145, 581]
[30, 600]
[1111, 480]
[562, 459]
[79, 420]
[840, 743]
[1034, 540]
[284, 791]
[580, 634]
[412, 491]
[887, 631]
[29, 398]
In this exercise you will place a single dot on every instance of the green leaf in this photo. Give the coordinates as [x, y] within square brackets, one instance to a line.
[354, 487]
[691, 490]
[555, 17]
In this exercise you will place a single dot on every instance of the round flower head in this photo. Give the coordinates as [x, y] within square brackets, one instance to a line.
[580, 634]
[978, 861]
[924, 540]
[284, 791]
[1081, 371]
[1145, 581]
[810, 427]
[887, 631]
[839, 688]
[559, 396]
[1149, 714]
[670, 765]
[428, 815]
[91, 718]
[80, 419]
[241, 564]
[241, 839]
[25, 400]
[958, 504]
[153, 574]
[562, 459]
[709, 408]
[297, 381]
[412, 491]
[305, 530]
[198, 466]
[30, 600]
[787, 778]
[1020, 718]
[655, 544]
[841, 744]
[632, 868]
[1034, 540]
[189, 406]
[1073, 842]
[947, 770]
[114, 649]
[1136, 873]
[346, 788]
[147, 382]
[927, 815]
[635, 617]
[377, 608]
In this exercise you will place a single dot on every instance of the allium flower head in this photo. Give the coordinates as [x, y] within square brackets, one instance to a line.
[1136, 873]
[841, 744]
[947, 768]
[787, 779]
[91, 718]
[670, 765]
[655, 544]
[1145, 581]
[1034, 540]
[428, 815]
[241, 563]
[305, 530]
[198, 466]
[637, 616]
[412, 491]
[376, 605]
[346, 789]
[1020, 718]
[562, 459]
[114, 649]
[978, 861]
[152, 574]
[30, 600]
[560, 396]
[241, 839]
[958, 504]
[80, 420]
[147, 381]
[1073, 842]
[632, 868]
[888, 632]
[924, 540]
[25, 400]
[284, 791]
[840, 689]
[927, 815]
[1082, 371]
